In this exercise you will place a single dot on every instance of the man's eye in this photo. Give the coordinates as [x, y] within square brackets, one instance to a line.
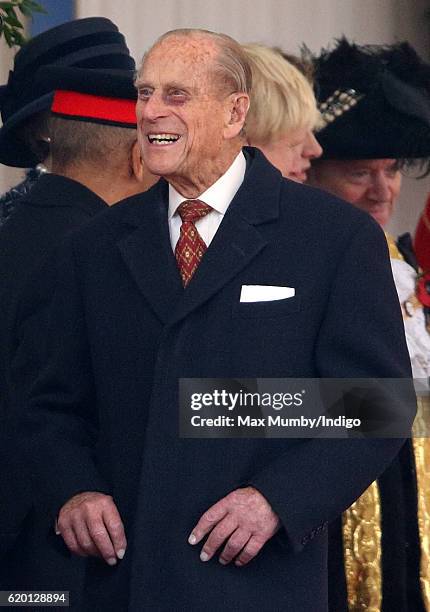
[176, 97]
[358, 175]
[144, 93]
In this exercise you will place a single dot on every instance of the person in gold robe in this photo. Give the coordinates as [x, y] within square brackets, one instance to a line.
[375, 103]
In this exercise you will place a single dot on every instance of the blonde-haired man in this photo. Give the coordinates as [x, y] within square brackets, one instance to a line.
[283, 113]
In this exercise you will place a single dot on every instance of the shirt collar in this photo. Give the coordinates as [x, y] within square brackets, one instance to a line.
[220, 194]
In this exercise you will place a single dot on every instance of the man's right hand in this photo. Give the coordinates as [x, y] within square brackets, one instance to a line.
[90, 525]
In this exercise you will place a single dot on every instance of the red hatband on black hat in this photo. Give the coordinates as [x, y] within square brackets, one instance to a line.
[97, 109]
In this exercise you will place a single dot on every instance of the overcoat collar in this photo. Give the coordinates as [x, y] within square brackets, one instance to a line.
[148, 253]
[52, 190]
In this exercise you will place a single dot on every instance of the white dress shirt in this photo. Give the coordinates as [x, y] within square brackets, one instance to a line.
[218, 196]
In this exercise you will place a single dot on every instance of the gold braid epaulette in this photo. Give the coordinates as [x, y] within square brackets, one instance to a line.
[392, 247]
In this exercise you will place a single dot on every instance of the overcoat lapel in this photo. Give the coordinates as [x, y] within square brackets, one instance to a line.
[235, 244]
[148, 253]
[238, 239]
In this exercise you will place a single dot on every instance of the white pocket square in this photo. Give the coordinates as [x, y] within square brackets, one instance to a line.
[265, 293]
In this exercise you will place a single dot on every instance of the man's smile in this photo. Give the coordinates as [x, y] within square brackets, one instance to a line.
[163, 139]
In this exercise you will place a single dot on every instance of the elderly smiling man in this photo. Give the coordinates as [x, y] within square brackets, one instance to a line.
[150, 293]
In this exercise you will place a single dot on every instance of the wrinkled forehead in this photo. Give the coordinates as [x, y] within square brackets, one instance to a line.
[188, 57]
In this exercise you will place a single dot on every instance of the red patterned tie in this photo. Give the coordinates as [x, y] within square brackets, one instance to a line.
[190, 247]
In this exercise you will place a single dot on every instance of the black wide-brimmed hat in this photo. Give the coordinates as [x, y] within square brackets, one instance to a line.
[82, 45]
[374, 100]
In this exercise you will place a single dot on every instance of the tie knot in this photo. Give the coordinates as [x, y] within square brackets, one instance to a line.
[191, 210]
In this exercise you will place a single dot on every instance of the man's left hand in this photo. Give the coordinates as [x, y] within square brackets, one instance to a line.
[243, 520]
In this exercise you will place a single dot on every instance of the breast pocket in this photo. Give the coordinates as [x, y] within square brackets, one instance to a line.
[270, 309]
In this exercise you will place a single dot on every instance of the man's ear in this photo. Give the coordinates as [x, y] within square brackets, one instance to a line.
[137, 163]
[140, 171]
[237, 108]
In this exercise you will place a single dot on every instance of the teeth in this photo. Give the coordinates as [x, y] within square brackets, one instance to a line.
[162, 138]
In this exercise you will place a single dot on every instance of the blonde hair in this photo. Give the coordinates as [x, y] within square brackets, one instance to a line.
[282, 98]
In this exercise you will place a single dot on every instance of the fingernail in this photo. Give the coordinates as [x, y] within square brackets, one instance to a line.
[192, 539]
[111, 561]
[120, 554]
[204, 556]
[222, 561]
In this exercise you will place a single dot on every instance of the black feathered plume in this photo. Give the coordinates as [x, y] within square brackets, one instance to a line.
[347, 66]
[405, 63]
[375, 101]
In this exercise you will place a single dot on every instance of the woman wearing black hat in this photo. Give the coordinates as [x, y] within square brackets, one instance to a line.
[375, 102]
[25, 105]
[81, 71]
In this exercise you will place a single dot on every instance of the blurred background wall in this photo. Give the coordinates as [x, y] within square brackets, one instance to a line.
[286, 23]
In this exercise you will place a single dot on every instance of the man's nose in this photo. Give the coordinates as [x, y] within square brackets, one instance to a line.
[312, 148]
[151, 109]
[379, 189]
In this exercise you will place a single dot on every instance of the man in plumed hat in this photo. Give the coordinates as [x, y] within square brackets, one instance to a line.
[178, 283]
[375, 102]
[72, 91]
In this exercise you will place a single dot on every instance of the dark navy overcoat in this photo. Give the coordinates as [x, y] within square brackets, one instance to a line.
[104, 413]
[41, 218]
